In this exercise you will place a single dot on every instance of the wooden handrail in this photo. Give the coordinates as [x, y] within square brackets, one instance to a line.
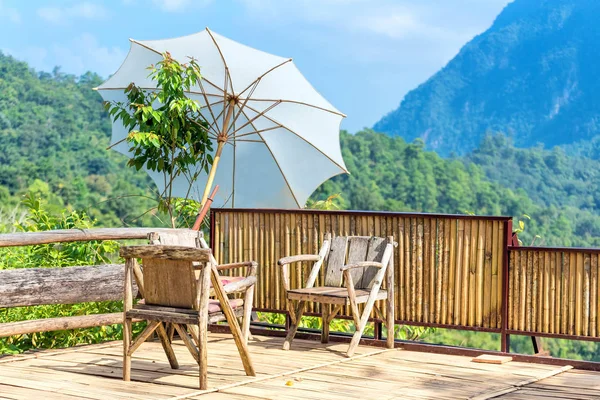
[76, 235]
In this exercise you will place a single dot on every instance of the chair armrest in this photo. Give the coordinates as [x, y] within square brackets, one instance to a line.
[240, 285]
[362, 264]
[299, 258]
[251, 265]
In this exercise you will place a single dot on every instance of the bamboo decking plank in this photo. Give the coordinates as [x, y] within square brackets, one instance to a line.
[313, 370]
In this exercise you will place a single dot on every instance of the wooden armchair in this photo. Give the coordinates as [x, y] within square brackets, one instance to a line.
[243, 285]
[175, 284]
[363, 263]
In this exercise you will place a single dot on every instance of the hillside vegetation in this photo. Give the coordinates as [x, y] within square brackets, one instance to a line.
[497, 179]
[53, 138]
[533, 75]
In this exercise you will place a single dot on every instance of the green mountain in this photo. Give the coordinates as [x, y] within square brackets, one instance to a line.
[533, 75]
[53, 138]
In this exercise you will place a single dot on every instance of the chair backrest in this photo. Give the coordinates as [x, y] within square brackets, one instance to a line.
[353, 249]
[176, 237]
[170, 283]
[170, 277]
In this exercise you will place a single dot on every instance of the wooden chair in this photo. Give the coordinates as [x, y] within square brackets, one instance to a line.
[363, 263]
[173, 293]
[242, 285]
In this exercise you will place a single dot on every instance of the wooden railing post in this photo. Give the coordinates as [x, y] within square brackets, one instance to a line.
[505, 337]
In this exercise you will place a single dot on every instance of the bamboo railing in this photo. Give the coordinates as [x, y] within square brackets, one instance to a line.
[554, 292]
[448, 268]
[451, 271]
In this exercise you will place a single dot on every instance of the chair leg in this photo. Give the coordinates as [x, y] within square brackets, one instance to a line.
[170, 331]
[325, 317]
[294, 326]
[360, 328]
[203, 356]
[166, 344]
[248, 299]
[127, 336]
[391, 334]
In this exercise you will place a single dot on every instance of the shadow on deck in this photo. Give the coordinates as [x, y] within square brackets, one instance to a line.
[309, 371]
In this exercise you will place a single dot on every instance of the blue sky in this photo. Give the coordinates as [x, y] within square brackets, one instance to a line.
[362, 55]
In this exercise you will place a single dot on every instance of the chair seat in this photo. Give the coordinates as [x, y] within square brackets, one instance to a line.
[332, 295]
[184, 315]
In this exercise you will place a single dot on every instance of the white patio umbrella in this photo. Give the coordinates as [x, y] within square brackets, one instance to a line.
[277, 137]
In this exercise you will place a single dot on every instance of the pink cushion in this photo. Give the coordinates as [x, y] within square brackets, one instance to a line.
[230, 279]
[215, 307]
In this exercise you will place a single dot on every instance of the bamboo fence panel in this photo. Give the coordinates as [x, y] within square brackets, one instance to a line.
[554, 292]
[447, 268]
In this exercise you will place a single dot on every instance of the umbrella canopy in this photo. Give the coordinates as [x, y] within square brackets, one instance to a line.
[278, 137]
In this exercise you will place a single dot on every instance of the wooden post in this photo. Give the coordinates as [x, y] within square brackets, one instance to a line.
[538, 350]
[390, 306]
[127, 305]
[325, 310]
[505, 338]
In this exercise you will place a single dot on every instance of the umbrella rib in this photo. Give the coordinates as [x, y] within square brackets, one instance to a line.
[214, 132]
[215, 103]
[255, 132]
[216, 119]
[258, 115]
[206, 100]
[222, 59]
[276, 162]
[295, 133]
[153, 88]
[241, 108]
[304, 104]
[257, 80]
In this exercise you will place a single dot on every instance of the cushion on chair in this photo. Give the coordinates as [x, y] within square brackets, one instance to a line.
[215, 307]
[225, 280]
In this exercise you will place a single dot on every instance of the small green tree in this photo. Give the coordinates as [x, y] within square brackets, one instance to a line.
[167, 132]
[330, 203]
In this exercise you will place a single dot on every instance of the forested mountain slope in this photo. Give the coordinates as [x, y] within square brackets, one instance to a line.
[53, 138]
[390, 174]
[533, 75]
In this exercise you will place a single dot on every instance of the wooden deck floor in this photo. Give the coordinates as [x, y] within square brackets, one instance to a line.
[309, 371]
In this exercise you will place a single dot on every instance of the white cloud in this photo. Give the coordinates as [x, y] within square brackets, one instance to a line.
[61, 15]
[12, 14]
[402, 24]
[81, 54]
[179, 5]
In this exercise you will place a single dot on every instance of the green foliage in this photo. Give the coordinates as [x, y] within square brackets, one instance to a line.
[332, 202]
[562, 188]
[57, 256]
[402, 332]
[575, 350]
[53, 138]
[530, 74]
[391, 175]
[167, 132]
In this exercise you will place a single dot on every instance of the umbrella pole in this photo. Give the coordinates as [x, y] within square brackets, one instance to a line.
[221, 139]
[213, 171]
